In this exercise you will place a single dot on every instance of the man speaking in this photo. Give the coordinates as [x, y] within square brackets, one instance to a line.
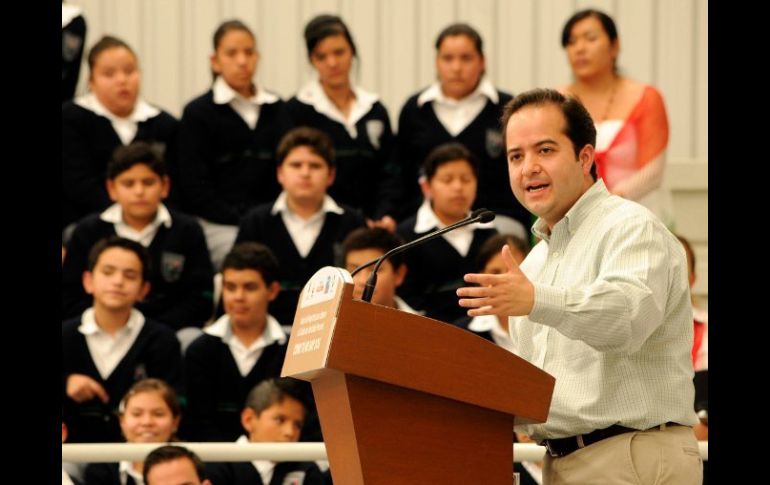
[602, 303]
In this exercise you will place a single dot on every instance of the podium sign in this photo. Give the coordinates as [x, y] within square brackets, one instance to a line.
[314, 322]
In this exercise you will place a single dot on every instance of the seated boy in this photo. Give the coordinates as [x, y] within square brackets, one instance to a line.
[182, 282]
[437, 268]
[112, 345]
[274, 413]
[304, 226]
[243, 347]
[365, 244]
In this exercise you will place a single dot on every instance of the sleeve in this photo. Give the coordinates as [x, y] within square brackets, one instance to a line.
[201, 377]
[81, 183]
[100, 474]
[249, 229]
[390, 187]
[406, 163]
[164, 359]
[624, 304]
[194, 304]
[171, 158]
[652, 139]
[196, 154]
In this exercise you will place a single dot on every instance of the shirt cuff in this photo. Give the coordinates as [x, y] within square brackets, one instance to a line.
[550, 304]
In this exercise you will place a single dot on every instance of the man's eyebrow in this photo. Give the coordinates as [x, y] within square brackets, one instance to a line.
[547, 141]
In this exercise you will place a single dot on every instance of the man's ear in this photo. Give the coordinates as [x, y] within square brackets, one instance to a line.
[586, 158]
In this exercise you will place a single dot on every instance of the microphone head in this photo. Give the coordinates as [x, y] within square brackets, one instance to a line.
[486, 216]
[477, 213]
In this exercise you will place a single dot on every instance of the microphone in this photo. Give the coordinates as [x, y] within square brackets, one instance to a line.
[479, 215]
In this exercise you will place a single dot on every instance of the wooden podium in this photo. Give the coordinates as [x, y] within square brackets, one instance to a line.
[403, 398]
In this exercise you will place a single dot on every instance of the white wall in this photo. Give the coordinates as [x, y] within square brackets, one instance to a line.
[663, 42]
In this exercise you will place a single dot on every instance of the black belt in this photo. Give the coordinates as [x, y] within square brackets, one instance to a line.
[564, 446]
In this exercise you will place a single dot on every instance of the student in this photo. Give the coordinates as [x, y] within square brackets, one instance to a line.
[110, 115]
[490, 261]
[461, 106]
[227, 139]
[355, 120]
[181, 287]
[174, 465]
[274, 413]
[365, 244]
[112, 345]
[436, 268]
[149, 413]
[304, 227]
[242, 348]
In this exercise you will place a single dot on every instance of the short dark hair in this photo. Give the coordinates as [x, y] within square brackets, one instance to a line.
[461, 29]
[315, 140]
[607, 24]
[253, 255]
[374, 238]
[274, 390]
[120, 242]
[323, 26]
[494, 245]
[448, 152]
[126, 156]
[688, 250]
[228, 26]
[168, 453]
[578, 124]
[103, 44]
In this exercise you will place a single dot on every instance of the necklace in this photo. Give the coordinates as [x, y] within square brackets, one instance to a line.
[609, 102]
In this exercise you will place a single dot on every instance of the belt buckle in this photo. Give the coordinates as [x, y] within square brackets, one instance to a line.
[551, 451]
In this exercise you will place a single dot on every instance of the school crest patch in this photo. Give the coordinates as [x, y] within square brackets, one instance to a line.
[494, 143]
[171, 266]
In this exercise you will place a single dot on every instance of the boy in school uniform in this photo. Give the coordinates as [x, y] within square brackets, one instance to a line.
[365, 244]
[275, 412]
[112, 345]
[182, 284]
[304, 227]
[436, 268]
[243, 347]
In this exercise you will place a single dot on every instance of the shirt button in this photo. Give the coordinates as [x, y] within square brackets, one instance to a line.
[556, 254]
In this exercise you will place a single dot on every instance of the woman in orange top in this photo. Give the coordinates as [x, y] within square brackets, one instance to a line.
[630, 117]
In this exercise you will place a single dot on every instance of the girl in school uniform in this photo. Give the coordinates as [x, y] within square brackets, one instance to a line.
[354, 118]
[110, 115]
[228, 137]
[461, 106]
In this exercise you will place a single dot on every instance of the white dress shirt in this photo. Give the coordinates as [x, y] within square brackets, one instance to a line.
[246, 357]
[460, 239]
[612, 319]
[304, 232]
[247, 108]
[313, 94]
[126, 469]
[107, 350]
[265, 468]
[457, 114]
[127, 127]
[114, 215]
